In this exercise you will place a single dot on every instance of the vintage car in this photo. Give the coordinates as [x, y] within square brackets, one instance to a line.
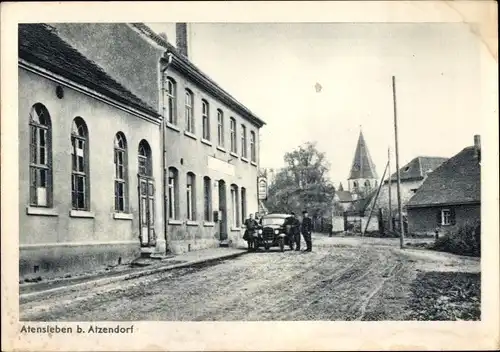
[272, 233]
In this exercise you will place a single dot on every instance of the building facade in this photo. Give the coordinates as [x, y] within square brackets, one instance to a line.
[450, 197]
[88, 161]
[210, 141]
[212, 157]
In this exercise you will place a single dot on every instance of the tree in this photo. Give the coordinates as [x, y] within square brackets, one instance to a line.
[302, 183]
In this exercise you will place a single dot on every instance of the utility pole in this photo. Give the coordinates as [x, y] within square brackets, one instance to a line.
[390, 187]
[400, 210]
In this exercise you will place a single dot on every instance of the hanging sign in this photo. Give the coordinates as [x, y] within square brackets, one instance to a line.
[262, 188]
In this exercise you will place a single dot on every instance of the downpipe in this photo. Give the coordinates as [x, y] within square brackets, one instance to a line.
[164, 151]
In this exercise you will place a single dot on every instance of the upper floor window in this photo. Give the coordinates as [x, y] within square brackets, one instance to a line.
[189, 111]
[173, 193]
[233, 135]
[220, 128]
[121, 173]
[40, 157]
[243, 141]
[144, 159]
[253, 150]
[205, 107]
[171, 100]
[80, 182]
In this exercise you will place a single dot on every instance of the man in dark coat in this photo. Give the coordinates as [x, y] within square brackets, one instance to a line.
[306, 229]
[292, 226]
[251, 226]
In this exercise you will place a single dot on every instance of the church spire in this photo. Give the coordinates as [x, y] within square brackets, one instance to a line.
[362, 164]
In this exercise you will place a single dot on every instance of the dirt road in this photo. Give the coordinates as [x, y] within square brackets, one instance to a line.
[342, 279]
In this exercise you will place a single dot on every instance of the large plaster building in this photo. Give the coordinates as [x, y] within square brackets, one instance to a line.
[159, 158]
[86, 145]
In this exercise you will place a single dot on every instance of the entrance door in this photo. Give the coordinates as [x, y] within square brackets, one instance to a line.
[223, 211]
[146, 211]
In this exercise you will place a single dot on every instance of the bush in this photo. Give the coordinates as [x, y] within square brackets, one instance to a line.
[466, 241]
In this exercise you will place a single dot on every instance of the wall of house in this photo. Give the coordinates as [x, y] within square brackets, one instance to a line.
[382, 200]
[338, 223]
[423, 221]
[123, 53]
[58, 241]
[189, 153]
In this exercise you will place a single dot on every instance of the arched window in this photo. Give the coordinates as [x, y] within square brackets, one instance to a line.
[173, 193]
[40, 156]
[80, 183]
[191, 196]
[207, 192]
[205, 109]
[367, 184]
[244, 153]
[121, 173]
[145, 159]
[188, 111]
[355, 184]
[171, 100]
[232, 128]
[253, 150]
[220, 128]
[235, 206]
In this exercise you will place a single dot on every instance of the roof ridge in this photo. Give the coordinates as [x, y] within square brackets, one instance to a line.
[96, 67]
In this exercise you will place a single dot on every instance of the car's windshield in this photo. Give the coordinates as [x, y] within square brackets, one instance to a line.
[272, 221]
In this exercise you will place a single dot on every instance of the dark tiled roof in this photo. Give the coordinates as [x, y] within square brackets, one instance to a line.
[456, 181]
[344, 196]
[418, 168]
[362, 165]
[40, 44]
[362, 204]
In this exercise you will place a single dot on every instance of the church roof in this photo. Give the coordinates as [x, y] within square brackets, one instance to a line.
[362, 165]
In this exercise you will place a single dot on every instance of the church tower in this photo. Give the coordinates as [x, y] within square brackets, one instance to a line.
[363, 176]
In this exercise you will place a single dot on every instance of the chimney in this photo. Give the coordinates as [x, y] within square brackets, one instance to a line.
[181, 38]
[477, 146]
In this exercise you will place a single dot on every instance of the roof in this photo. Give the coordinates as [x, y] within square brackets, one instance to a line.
[344, 196]
[39, 44]
[456, 181]
[362, 204]
[418, 167]
[362, 164]
[196, 74]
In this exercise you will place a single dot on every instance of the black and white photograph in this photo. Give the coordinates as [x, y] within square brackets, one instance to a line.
[252, 172]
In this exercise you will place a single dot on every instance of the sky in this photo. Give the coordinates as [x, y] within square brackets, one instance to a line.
[272, 68]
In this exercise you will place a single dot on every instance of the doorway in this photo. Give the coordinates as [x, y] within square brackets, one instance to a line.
[146, 211]
[223, 211]
[146, 190]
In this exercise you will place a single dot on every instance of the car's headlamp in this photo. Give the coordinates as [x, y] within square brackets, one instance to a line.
[260, 232]
[276, 232]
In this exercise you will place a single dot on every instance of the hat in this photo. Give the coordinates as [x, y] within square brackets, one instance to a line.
[305, 211]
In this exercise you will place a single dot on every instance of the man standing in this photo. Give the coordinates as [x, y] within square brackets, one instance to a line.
[292, 225]
[251, 226]
[306, 229]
